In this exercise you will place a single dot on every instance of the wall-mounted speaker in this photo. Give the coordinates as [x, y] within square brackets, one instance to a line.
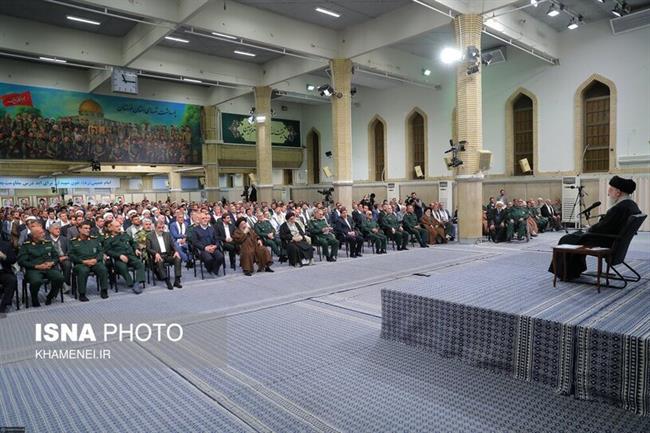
[524, 165]
[484, 160]
[418, 171]
[327, 171]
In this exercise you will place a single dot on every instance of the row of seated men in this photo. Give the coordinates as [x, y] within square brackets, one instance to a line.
[518, 219]
[87, 239]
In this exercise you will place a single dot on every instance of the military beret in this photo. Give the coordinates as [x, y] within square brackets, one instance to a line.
[625, 185]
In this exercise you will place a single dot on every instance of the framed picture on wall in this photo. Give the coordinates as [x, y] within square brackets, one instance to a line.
[25, 202]
[55, 200]
[78, 200]
[42, 201]
[7, 201]
[119, 199]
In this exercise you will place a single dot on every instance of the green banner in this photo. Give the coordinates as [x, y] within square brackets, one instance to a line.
[236, 129]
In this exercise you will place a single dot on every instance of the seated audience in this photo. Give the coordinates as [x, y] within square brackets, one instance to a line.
[162, 251]
[323, 235]
[87, 254]
[348, 232]
[122, 249]
[295, 242]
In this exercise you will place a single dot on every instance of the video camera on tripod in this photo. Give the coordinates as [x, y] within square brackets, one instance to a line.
[454, 149]
[327, 194]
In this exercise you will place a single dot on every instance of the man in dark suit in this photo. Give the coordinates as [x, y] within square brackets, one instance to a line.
[162, 250]
[61, 244]
[204, 239]
[8, 281]
[346, 230]
[358, 215]
[549, 213]
[621, 207]
[224, 230]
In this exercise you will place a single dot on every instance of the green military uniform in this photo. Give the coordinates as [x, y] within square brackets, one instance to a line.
[517, 217]
[32, 254]
[123, 244]
[81, 250]
[325, 240]
[391, 227]
[262, 229]
[378, 237]
[411, 225]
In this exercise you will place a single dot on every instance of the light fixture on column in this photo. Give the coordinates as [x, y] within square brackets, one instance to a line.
[327, 90]
[251, 116]
[473, 60]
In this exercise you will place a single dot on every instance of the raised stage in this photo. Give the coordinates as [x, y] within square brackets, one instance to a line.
[503, 314]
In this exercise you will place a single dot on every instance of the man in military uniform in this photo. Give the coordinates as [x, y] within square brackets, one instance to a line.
[393, 229]
[517, 216]
[323, 235]
[121, 248]
[264, 229]
[39, 258]
[411, 226]
[87, 255]
[534, 211]
[371, 230]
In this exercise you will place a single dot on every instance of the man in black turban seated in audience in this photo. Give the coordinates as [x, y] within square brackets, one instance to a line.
[620, 207]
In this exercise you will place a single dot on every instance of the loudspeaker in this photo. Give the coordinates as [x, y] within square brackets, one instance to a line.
[447, 160]
[525, 166]
[418, 171]
[327, 171]
[484, 160]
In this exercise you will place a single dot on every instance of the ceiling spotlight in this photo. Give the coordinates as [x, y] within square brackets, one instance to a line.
[450, 55]
[172, 38]
[426, 72]
[473, 53]
[251, 117]
[553, 10]
[473, 69]
[311, 87]
[83, 20]
[621, 8]
[326, 90]
[244, 53]
[353, 91]
[221, 35]
[328, 12]
[573, 24]
[534, 3]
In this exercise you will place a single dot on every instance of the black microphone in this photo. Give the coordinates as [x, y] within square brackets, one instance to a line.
[590, 208]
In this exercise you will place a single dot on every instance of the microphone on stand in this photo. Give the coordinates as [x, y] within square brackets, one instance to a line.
[590, 208]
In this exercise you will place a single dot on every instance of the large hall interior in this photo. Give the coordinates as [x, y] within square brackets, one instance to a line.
[324, 216]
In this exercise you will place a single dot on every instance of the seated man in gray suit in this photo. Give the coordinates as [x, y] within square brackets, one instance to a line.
[61, 244]
[162, 249]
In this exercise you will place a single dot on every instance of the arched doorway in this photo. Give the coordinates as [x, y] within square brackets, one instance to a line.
[595, 141]
[313, 156]
[377, 149]
[416, 143]
[521, 132]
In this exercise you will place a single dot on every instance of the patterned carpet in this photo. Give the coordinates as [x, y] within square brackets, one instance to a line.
[295, 351]
[505, 315]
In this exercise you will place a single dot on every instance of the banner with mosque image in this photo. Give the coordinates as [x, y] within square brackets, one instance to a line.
[44, 123]
[236, 129]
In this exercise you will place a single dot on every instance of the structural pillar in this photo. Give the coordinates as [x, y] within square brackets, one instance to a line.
[469, 126]
[342, 130]
[175, 189]
[210, 155]
[264, 152]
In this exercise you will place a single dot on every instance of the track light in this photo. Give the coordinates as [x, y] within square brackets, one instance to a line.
[554, 10]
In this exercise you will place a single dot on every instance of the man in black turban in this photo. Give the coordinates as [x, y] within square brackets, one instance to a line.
[620, 207]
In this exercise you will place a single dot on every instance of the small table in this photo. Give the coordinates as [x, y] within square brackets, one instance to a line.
[598, 252]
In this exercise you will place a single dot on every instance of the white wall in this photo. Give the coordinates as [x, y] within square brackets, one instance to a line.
[624, 59]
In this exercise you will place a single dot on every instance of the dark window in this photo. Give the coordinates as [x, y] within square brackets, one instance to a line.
[523, 132]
